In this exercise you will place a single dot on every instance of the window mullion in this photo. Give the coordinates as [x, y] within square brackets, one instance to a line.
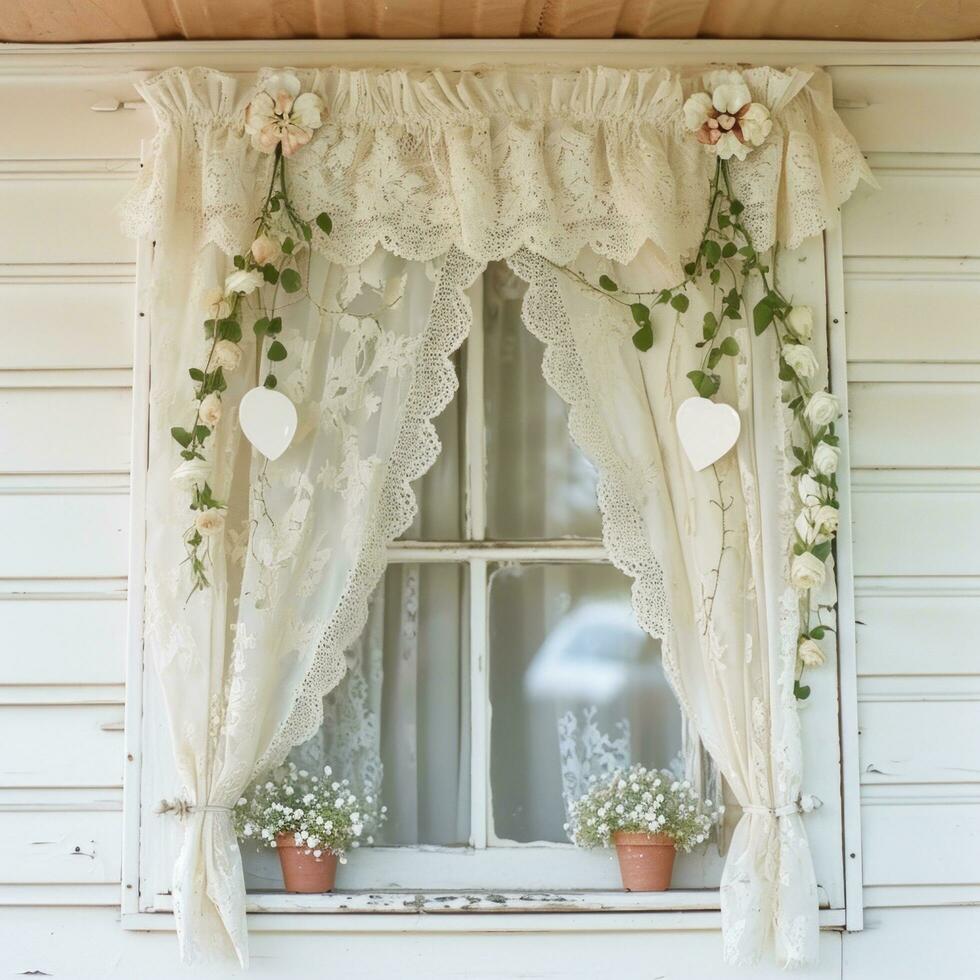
[476, 526]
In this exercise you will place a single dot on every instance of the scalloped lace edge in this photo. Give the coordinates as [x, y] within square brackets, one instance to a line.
[416, 449]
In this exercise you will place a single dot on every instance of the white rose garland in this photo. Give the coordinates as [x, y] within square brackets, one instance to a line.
[726, 121]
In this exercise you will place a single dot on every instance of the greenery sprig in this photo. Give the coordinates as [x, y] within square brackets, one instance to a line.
[272, 267]
[727, 258]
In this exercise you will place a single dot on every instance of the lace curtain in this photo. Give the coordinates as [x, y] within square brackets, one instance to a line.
[428, 176]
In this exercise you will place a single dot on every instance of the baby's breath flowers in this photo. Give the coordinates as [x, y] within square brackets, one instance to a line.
[641, 800]
[321, 812]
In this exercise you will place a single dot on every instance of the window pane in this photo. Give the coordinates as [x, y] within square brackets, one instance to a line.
[539, 485]
[400, 717]
[576, 688]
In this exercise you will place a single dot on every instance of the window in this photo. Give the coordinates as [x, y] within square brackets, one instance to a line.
[500, 633]
[500, 650]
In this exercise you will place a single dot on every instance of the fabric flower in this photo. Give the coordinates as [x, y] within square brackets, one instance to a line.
[807, 528]
[226, 355]
[800, 321]
[810, 653]
[725, 119]
[210, 410]
[827, 519]
[209, 522]
[244, 281]
[191, 473]
[215, 304]
[822, 408]
[801, 359]
[825, 459]
[807, 572]
[265, 249]
[811, 493]
[279, 115]
[756, 123]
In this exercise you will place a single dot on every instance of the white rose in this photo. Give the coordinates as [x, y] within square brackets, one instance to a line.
[756, 124]
[801, 359]
[210, 522]
[191, 473]
[811, 493]
[825, 459]
[210, 410]
[215, 303]
[226, 355]
[822, 408]
[807, 571]
[697, 109]
[810, 653]
[800, 321]
[264, 249]
[827, 519]
[244, 281]
[806, 526]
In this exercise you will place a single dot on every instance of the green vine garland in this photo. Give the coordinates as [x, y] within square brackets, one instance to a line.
[728, 259]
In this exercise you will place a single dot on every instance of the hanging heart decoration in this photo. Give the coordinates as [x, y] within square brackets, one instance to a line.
[707, 430]
[268, 419]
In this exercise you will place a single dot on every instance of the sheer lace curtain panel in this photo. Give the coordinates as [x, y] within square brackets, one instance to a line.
[428, 177]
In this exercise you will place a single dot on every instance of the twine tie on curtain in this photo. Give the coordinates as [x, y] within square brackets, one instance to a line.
[181, 808]
[805, 803]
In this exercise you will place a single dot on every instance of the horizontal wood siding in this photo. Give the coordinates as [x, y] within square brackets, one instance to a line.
[67, 278]
[912, 275]
[912, 289]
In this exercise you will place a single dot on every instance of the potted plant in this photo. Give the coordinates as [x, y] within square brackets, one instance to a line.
[649, 815]
[311, 820]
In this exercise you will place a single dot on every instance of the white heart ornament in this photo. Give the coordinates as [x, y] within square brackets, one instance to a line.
[268, 419]
[707, 430]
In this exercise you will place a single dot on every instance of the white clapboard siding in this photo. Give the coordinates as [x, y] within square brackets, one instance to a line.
[61, 745]
[66, 535]
[913, 425]
[876, 105]
[30, 105]
[912, 290]
[905, 632]
[63, 219]
[52, 325]
[916, 212]
[912, 311]
[912, 740]
[62, 640]
[910, 944]
[65, 430]
[916, 532]
[52, 847]
[921, 843]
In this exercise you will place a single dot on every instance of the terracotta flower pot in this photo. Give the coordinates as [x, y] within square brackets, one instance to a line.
[646, 861]
[301, 870]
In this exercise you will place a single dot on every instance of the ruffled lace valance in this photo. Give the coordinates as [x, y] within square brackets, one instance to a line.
[493, 161]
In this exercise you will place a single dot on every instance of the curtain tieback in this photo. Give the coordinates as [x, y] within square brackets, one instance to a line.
[181, 808]
[805, 803]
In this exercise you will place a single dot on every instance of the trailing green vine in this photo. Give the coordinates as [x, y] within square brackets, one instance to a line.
[726, 260]
[281, 121]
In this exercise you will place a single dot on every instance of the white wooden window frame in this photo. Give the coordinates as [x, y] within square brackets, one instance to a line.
[149, 845]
